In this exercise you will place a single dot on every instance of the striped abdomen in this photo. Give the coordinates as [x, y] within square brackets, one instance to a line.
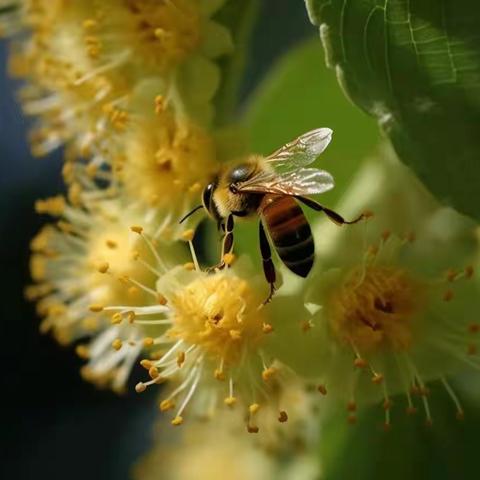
[289, 231]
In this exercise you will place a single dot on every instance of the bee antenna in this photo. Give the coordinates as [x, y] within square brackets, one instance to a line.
[190, 213]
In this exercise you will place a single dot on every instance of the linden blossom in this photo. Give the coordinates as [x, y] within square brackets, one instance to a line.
[392, 315]
[90, 258]
[207, 332]
[279, 452]
[86, 103]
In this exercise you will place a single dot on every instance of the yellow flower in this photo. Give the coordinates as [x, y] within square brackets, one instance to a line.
[206, 336]
[164, 159]
[388, 310]
[215, 448]
[115, 45]
[87, 260]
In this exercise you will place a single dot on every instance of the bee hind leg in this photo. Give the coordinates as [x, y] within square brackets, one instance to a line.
[268, 266]
[333, 216]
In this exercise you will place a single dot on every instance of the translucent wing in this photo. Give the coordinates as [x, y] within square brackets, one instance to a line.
[304, 181]
[302, 151]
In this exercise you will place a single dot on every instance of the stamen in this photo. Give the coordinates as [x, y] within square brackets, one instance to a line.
[139, 231]
[453, 396]
[190, 393]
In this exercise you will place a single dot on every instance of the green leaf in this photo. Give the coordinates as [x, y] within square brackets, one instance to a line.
[415, 66]
[409, 450]
[299, 94]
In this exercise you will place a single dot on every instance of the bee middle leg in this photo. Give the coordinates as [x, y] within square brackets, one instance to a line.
[268, 266]
[333, 216]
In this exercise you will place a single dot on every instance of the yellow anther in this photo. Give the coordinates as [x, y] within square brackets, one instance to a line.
[135, 255]
[235, 334]
[136, 229]
[160, 104]
[132, 291]
[189, 266]
[116, 318]
[177, 421]
[96, 308]
[351, 406]
[103, 267]
[196, 187]
[387, 404]
[53, 206]
[253, 408]
[160, 33]
[377, 378]
[65, 227]
[146, 364]
[386, 235]
[360, 362]
[451, 275]
[188, 235]
[322, 389]
[153, 372]
[469, 271]
[474, 328]
[306, 325]
[282, 416]
[252, 429]
[219, 374]
[471, 349]
[111, 244]
[268, 373]
[140, 387]
[410, 410]
[410, 237]
[89, 23]
[117, 344]
[180, 358]
[161, 299]
[229, 258]
[448, 295]
[230, 401]
[82, 352]
[368, 214]
[148, 342]
[166, 405]
[131, 316]
[352, 419]
[267, 328]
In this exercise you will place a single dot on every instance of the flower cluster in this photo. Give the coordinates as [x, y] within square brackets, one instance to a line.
[127, 89]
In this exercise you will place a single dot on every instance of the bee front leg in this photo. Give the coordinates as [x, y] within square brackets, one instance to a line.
[268, 267]
[333, 216]
[227, 242]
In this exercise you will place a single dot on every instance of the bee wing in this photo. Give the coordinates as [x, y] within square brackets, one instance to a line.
[304, 181]
[302, 151]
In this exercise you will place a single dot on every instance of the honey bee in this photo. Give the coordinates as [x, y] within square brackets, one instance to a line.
[271, 188]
